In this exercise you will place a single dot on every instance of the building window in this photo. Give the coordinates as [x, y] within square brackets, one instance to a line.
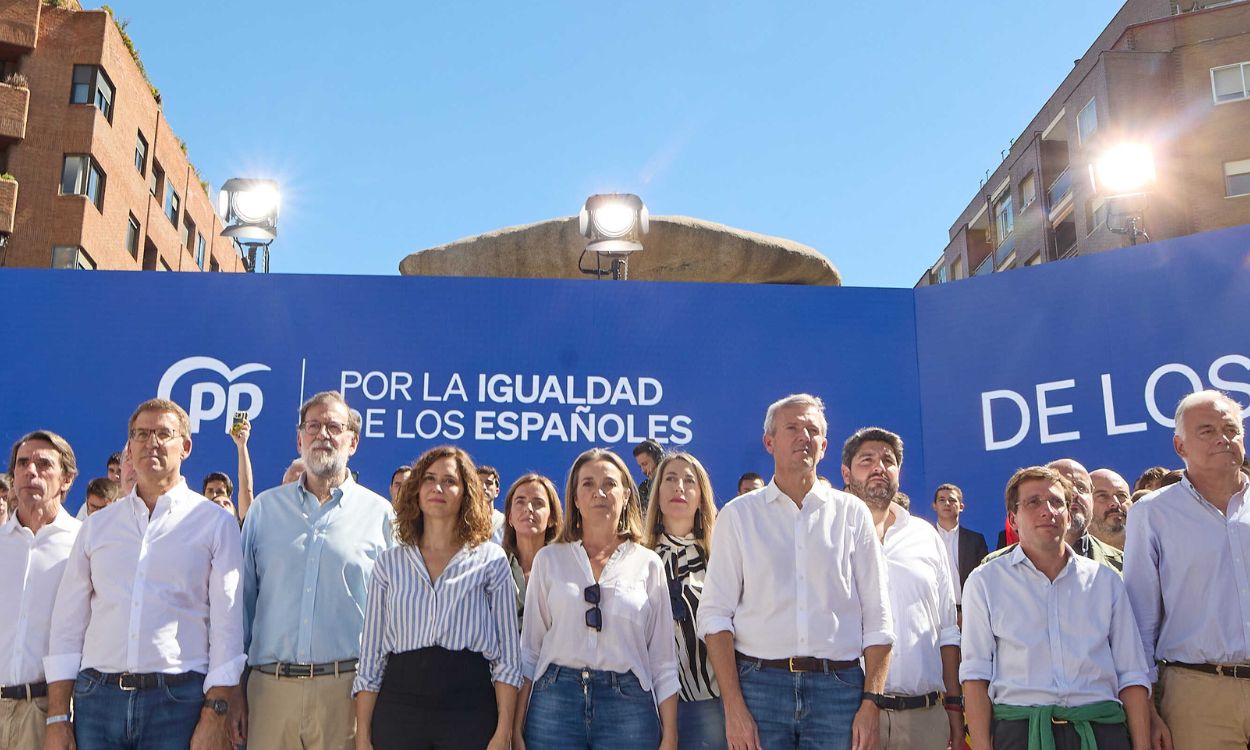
[141, 154]
[1237, 178]
[1028, 190]
[986, 267]
[72, 258]
[957, 269]
[213, 265]
[188, 231]
[1231, 83]
[92, 86]
[162, 265]
[200, 251]
[1087, 121]
[173, 205]
[81, 175]
[132, 237]
[156, 180]
[1035, 260]
[1096, 213]
[1004, 221]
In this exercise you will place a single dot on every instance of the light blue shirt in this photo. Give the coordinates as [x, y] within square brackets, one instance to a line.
[1187, 568]
[306, 569]
[472, 606]
[1067, 642]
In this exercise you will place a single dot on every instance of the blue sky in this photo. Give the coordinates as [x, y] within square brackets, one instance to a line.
[861, 129]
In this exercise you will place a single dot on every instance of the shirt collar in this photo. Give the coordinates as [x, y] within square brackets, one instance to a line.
[178, 495]
[63, 521]
[773, 493]
[1018, 557]
[340, 493]
[1234, 502]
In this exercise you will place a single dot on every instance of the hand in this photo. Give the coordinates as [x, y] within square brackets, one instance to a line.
[740, 729]
[241, 432]
[1160, 735]
[866, 727]
[59, 736]
[236, 717]
[501, 740]
[210, 732]
[957, 729]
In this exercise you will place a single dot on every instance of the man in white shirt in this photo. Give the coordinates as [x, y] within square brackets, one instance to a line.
[1187, 568]
[1049, 642]
[967, 548]
[795, 595]
[924, 663]
[147, 632]
[490, 484]
[34, 544]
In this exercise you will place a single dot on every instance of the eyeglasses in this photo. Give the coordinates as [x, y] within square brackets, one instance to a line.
[681, 610]
[594, 615]
[313, 429]
[162, 435]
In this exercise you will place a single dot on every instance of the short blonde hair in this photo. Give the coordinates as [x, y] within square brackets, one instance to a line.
[704, 517]
[630, 524]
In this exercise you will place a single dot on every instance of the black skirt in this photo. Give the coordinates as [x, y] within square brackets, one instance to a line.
[435, 699]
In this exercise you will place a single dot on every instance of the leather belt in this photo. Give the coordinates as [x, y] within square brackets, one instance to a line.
[24, 692]
[798, 663]
[141, 681]
[1240, 671]
[908, 702]
[305, 671]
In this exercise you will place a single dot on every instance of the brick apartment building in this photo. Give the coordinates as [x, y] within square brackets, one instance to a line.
[1174, 76]
[93, 176]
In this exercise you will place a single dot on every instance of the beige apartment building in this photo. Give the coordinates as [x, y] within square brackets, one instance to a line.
[1174, 76]
[92, 175]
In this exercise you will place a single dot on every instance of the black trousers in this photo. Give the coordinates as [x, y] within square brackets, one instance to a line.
[1014, 735]
[435, 699]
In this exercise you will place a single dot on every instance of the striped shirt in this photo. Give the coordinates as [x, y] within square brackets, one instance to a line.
[685, 561]
[471, 606]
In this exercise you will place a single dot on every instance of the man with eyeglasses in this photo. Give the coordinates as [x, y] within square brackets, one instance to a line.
[146, 632]
[922, 707]
[309, 548]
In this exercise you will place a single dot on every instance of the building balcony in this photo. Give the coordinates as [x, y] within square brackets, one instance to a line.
[19, 24]
[1059, 194]
[8, 205]
[14, 105]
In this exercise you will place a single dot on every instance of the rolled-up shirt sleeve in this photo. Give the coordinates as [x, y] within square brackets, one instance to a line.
[1131, 667]
[948, 618]
[977, 642]
[722, 584]
[502, 593]
[372, 663]
[1141, 579]
[70, 613]
[226, 658]
[869, 568]
[661, 641]
[537, 616]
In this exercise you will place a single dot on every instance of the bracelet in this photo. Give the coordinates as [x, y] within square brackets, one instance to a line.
[57, 719]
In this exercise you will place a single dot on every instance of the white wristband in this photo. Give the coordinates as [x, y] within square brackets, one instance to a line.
[57, 719]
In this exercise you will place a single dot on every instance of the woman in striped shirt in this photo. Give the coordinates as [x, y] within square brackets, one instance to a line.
[679, 527]
[439, 662]
[597, 647]
[534, 516]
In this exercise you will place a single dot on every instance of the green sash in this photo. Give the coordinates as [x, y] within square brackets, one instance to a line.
[1041, 719]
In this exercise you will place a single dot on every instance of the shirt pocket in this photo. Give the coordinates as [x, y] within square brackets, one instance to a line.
[629, 602]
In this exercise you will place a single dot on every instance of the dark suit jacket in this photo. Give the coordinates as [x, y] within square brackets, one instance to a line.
[972, 550]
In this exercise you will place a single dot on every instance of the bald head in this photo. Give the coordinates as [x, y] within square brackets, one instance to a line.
[1111, 500]
[1083, 500]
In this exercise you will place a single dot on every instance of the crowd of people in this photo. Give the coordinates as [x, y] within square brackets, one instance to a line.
[621, 615]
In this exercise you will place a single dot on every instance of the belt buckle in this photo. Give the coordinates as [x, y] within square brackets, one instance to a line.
[1053, 720]
[308, 676]
[121, 682]
[791, 662]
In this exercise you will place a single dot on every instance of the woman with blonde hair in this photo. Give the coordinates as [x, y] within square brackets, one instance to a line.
[597, 640]
[533, 512]
[679, 524]
[439, 657]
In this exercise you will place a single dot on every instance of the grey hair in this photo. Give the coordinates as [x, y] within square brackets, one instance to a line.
[1199, 397]
[795, 399]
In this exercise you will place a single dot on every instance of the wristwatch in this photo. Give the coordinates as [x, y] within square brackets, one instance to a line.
[954, 701]
[219, 706]
[876, 698]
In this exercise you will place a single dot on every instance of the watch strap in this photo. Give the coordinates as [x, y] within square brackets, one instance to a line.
[57, 719]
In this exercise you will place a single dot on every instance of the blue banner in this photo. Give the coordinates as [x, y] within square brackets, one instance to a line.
[1084, 358]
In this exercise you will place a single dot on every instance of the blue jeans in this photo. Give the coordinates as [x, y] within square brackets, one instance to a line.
[588, 709]
[701, 725]
[802, 710]
[107, 717]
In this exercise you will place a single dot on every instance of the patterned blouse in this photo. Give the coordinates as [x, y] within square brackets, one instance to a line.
[685, 561]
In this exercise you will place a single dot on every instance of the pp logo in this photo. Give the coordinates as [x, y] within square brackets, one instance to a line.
[209, 400]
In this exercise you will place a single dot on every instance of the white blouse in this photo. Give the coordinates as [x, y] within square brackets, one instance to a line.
[637, 633]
